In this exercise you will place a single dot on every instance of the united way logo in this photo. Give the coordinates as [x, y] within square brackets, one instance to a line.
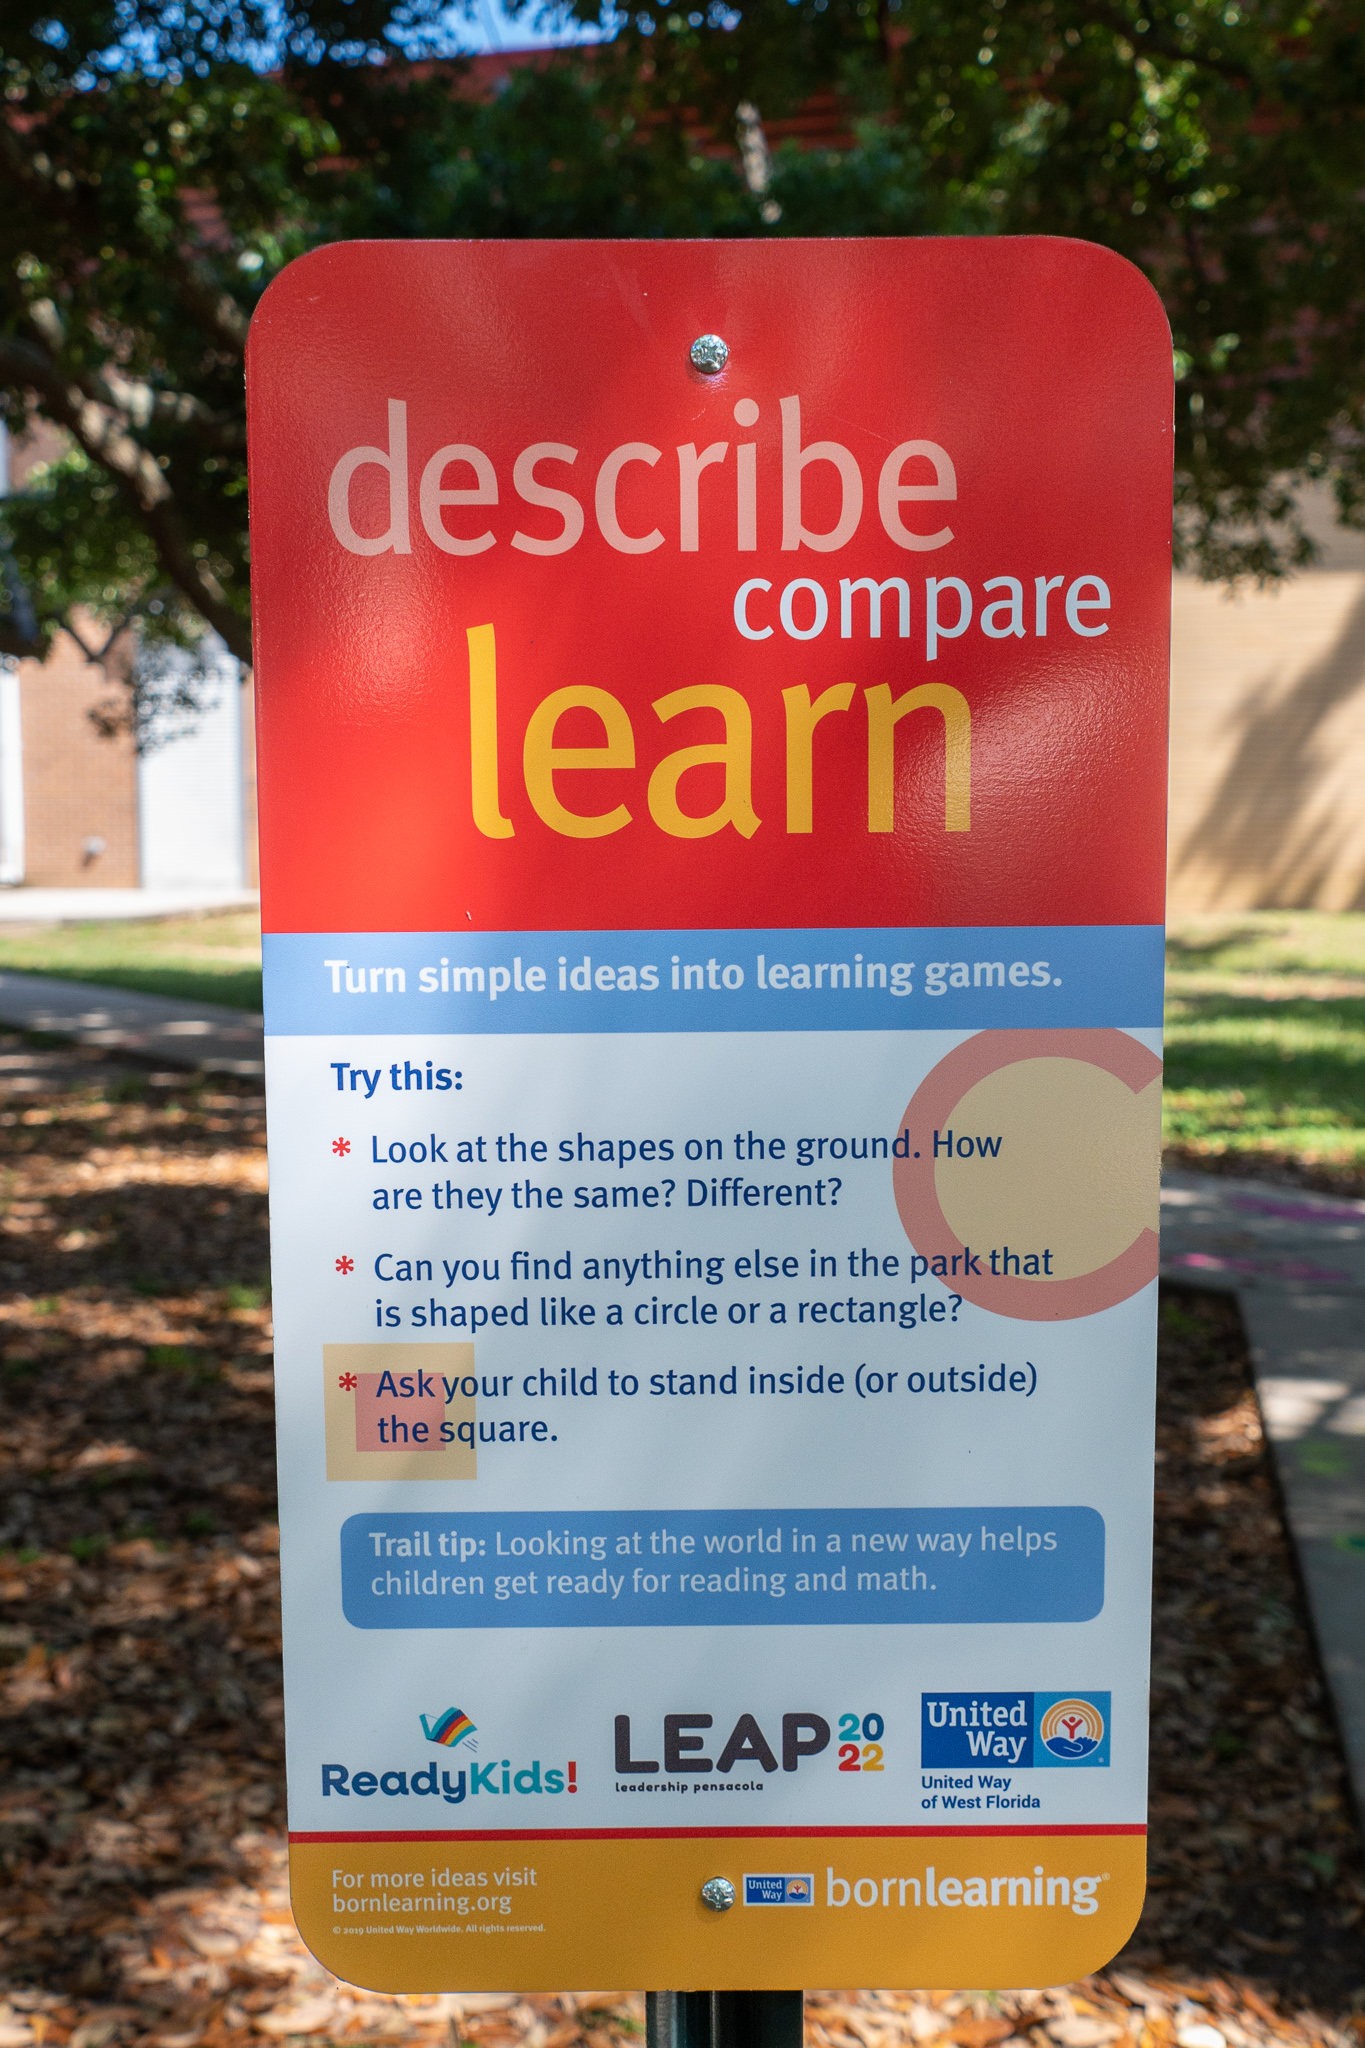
[1014, 1731]
[1072, 1730]
[779, 1888]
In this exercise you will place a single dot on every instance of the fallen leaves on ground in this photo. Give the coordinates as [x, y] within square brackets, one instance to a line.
[141, 1804]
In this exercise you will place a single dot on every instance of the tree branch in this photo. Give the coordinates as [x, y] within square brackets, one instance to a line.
[215, 310]
[105, 435]
[139, 402]
[1152, 42]
[97, 656]
[145, 406]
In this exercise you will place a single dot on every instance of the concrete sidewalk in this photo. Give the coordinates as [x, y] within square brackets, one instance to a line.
[207, 1037]
[1296, 1262]
[23, 906]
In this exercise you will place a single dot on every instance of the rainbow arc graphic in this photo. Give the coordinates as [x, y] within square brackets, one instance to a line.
[448, 1728]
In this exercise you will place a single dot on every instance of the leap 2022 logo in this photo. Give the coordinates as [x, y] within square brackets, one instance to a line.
[1025, 1730]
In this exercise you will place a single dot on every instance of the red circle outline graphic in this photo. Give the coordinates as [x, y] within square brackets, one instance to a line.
[916, 1191]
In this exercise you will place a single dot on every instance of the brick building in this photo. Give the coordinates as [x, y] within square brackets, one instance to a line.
[78, 810]
[82, 810]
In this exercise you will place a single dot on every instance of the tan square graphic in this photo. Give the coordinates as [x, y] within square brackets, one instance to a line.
[399, 1411]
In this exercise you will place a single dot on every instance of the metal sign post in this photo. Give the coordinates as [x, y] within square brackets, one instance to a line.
[723, 2019]
[711, 750]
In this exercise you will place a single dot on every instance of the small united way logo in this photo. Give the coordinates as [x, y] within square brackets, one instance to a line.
[779, 1888]
[1071, 1729]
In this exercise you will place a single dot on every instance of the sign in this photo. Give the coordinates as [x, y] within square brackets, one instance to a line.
[712, 776]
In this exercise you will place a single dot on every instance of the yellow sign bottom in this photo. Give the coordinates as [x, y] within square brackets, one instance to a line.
[549, 1913]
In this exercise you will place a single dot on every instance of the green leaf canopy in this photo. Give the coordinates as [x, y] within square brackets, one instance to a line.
[160, 164]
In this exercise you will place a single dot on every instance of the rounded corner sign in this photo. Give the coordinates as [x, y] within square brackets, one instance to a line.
[712, 771]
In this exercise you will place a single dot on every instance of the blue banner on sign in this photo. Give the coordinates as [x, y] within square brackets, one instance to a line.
[774, 1569]
[931, 979]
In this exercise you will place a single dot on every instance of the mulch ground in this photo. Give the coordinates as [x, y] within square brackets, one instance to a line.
[141, 1773]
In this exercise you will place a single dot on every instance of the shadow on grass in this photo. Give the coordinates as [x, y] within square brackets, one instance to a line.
[1192, 954]
[1281, 1065]
[237, 988]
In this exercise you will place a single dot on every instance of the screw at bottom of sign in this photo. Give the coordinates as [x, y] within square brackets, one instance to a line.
[719, 1894]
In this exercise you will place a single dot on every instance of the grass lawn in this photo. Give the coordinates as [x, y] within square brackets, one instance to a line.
[1265, 1047]
[215, 958]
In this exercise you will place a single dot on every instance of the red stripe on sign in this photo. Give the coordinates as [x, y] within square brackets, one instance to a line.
[712, 1834]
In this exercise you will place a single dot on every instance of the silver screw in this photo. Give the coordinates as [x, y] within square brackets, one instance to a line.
[709, 354]
[718, 1893]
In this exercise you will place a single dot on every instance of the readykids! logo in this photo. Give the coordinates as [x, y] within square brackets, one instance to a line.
[502, 1777]
[453, 1726]
[1022, 1730]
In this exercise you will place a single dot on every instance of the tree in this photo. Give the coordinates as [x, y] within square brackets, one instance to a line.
[160, 165]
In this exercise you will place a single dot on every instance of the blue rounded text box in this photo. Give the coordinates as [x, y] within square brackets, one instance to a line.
[708, 1568]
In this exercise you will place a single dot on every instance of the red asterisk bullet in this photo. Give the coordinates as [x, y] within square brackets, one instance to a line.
[345, 1265]
[347, 1383]
[341, 1146]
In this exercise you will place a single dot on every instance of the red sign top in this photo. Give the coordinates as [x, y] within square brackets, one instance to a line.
[556, 631]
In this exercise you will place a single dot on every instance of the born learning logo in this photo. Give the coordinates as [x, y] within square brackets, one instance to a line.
[1024, 1730]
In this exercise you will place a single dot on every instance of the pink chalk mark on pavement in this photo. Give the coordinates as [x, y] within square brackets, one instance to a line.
[1274, 1269]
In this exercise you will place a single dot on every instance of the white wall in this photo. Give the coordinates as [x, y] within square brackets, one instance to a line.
[1268, 736]
[11, 741]
[11, 779]
[190, 793]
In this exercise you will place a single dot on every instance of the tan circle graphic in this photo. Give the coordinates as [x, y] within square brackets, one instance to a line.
[1028, 1175]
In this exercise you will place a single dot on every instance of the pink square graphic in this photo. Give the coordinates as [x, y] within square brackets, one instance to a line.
[427, 1410]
